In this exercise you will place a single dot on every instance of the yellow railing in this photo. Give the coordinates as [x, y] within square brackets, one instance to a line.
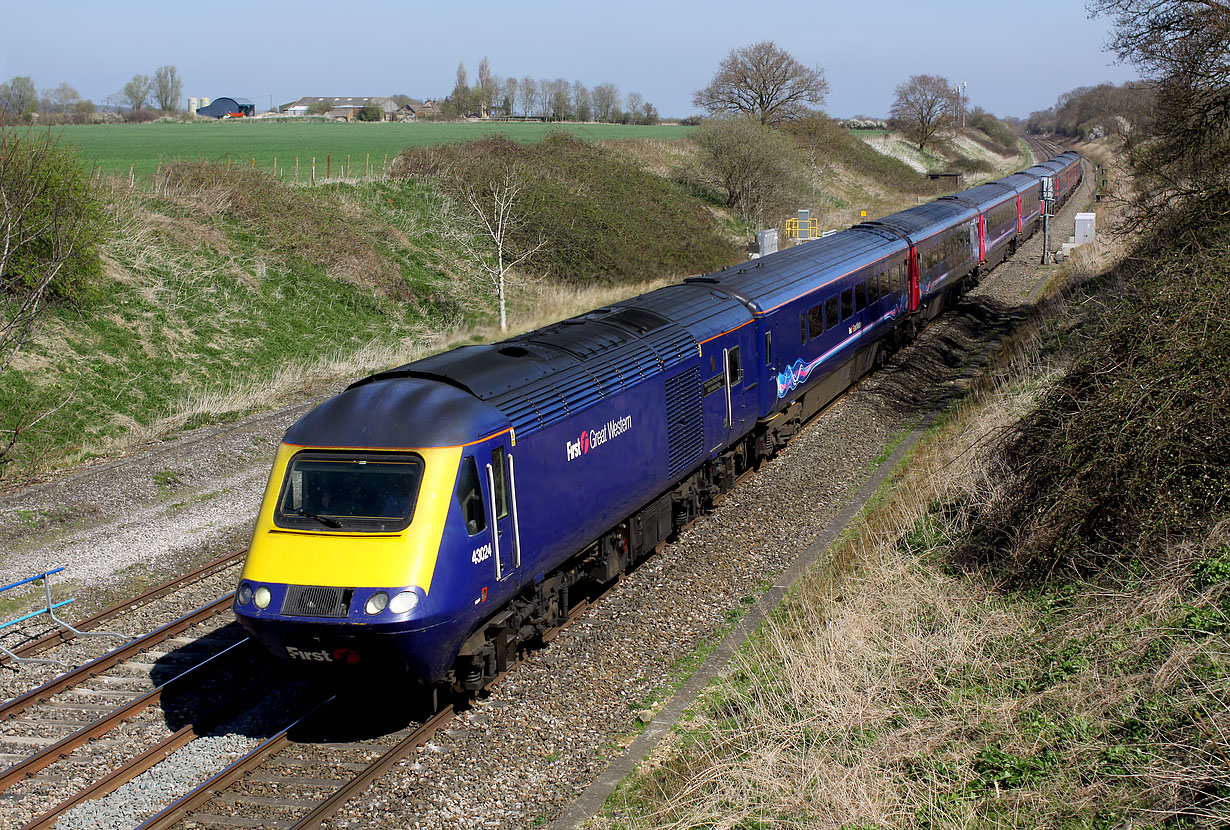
[812, 229]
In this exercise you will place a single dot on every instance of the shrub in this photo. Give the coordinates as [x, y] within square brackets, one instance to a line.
[1131, 449]
[601, 217]
[371, 112]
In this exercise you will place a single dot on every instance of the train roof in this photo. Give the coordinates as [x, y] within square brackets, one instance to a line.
[396, 414]
[775, 279]
[923, 221]
[1018, 181]
[541, 377]
[983, 196]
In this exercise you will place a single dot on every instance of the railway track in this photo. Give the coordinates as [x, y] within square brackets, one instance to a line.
[53, 737]
[289, 783]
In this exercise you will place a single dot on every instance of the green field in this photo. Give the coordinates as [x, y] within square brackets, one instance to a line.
[116, 147]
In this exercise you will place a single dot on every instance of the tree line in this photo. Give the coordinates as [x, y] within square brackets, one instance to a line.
[21, 102]
[549, 99]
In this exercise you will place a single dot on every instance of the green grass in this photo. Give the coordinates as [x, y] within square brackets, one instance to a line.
[114, 147]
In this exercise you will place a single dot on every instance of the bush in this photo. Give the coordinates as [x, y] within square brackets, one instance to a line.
[55, 219]
[371, 112]
[600, 216]
[140, 116]
[1131, 449]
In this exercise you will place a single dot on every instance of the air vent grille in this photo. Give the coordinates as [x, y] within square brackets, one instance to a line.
[685, 421]
[311, 601]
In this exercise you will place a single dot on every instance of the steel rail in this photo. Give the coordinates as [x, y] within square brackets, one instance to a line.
[97, 728]
[113, 658]
[182, 806]
[154, 754]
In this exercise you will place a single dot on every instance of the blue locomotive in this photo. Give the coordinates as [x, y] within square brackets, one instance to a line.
[437, 517]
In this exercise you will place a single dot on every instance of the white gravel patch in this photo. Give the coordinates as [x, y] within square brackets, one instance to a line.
[169, 527]
[154, 789]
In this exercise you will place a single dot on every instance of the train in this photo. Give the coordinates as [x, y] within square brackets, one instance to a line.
[435, 519]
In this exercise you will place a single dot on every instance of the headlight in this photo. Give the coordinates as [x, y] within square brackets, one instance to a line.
[244, 594]
[377, 602]
[263, 597]
[404, 602]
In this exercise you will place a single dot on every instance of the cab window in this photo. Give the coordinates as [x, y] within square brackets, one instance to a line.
[470, 497]
[344, 492]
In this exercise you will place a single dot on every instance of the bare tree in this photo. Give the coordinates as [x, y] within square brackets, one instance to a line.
[168, 88]
[136, 91]
[486, 88]
[763, 82]
[559, 103]
[528, 89]
[635, 103]
[510, 93]
[461, 92]
[606, 98]
[61, 100]
[923, 107]
[490, 214]
[583, 108]
[1181, 49]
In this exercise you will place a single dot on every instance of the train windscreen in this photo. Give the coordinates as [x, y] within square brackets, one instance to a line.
[370, 493]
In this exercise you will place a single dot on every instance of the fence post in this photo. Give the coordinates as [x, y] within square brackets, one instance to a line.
[313, 170]
[296, 170]
[131, 178]
[347, 173]
[367, 168]
[275, 167]
[384, 169]
[328, 166]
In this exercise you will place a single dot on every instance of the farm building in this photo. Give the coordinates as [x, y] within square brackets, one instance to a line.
[342, 108]
[222, 107]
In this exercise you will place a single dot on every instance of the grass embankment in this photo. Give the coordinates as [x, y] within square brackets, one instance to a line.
[1031, 628]
[350, 147]
[226, 291]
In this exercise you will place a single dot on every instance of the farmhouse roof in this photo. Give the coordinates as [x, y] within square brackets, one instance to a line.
[342, 102]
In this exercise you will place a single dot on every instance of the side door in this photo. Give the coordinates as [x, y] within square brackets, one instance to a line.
[741, 384]
[505, 524]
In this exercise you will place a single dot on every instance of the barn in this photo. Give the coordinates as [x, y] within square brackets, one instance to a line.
[222, 107]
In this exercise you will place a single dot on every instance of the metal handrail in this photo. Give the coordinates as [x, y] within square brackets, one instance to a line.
[50, 610]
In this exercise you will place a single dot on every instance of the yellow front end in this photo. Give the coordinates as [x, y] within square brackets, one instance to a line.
[351, 559]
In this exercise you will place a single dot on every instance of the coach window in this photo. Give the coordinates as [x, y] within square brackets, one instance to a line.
[873, 290]
[768, 348]
[847, 303]
[830, 312]
[803, 329]
[501, 486]
[860, 296]
[470, 497]
[815, 321]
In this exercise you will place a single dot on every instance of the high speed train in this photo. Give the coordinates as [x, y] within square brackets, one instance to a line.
[435, 518]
